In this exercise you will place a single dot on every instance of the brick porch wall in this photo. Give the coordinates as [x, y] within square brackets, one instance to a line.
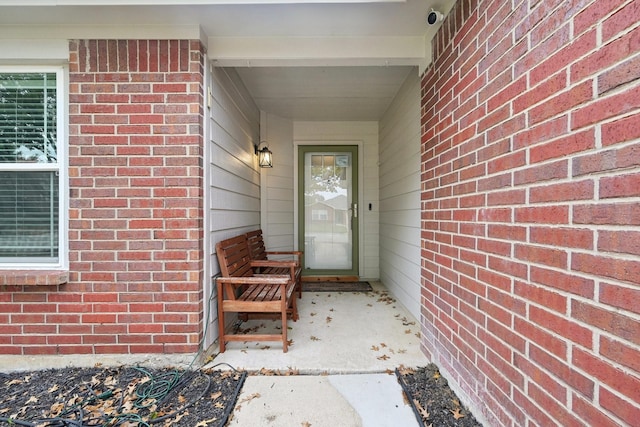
[136, 214]
[531, 210]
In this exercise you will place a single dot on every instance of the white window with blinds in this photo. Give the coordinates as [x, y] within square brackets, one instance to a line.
[32, 172]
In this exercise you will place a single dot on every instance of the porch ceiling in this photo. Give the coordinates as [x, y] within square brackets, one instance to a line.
[285, 49]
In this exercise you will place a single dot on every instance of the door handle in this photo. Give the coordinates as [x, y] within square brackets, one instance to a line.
[355, 210]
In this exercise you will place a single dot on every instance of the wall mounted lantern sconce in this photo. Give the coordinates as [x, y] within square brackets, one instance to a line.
[265, 156]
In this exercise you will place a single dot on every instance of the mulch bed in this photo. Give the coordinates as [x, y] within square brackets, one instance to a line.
[139, 397]
[125, 397]
[434, 403]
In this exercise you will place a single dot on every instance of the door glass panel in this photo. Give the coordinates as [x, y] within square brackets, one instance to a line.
[328, 203]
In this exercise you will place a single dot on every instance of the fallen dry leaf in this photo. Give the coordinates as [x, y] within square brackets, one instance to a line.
[436, 375]
[375, 348]
[406, 371]
[267, 372]
[383, 357]
[457, 414]
[306, 424]
[291, 371]
[314, 338]
[178, 417]
[329, 319]
[250, 398]
[205, 423]
[423, 412]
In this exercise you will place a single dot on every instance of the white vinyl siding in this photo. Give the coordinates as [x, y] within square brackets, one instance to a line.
[233, 187]
[400, 195]
[277, 185]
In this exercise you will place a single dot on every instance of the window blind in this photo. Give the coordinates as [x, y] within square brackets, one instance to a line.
[29, 214]
[28, 118]
[29, 195]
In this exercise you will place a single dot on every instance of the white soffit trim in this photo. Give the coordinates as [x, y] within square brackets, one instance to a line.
[119, 32]
[41, 50]
[316, 51]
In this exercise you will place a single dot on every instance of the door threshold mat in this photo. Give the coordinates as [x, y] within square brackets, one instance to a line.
[336, 287]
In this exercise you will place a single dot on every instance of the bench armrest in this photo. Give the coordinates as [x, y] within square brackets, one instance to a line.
[273, 263]
[274, 279]
[284, 253]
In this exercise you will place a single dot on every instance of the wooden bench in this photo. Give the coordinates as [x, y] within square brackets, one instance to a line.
[258, 253]
[240, 291]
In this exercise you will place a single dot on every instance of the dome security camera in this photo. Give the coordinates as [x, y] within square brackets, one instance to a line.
[434, 17]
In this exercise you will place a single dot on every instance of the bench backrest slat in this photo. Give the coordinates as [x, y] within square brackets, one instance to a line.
[233, 256]
[255, 242]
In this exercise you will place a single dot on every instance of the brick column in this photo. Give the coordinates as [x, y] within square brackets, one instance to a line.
[136, 228]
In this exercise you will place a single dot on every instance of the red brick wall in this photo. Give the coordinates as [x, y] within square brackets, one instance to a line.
[136, 214]
[531, 210]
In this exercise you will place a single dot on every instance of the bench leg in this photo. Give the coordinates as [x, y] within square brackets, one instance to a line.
[294, 309]
[221, 318]
[285, 342]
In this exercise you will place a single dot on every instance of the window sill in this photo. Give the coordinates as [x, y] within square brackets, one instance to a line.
[33, 277]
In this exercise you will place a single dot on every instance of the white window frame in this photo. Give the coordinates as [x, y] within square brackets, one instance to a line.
[62, 124]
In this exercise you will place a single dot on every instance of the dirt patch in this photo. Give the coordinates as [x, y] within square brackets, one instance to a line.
[124, 397]
[432, 399]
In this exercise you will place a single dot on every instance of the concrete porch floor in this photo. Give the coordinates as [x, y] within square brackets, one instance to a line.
[345, 348]
[337, 333]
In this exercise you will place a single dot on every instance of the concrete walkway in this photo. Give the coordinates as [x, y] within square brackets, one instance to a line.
[370, 400]
[339, 370]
